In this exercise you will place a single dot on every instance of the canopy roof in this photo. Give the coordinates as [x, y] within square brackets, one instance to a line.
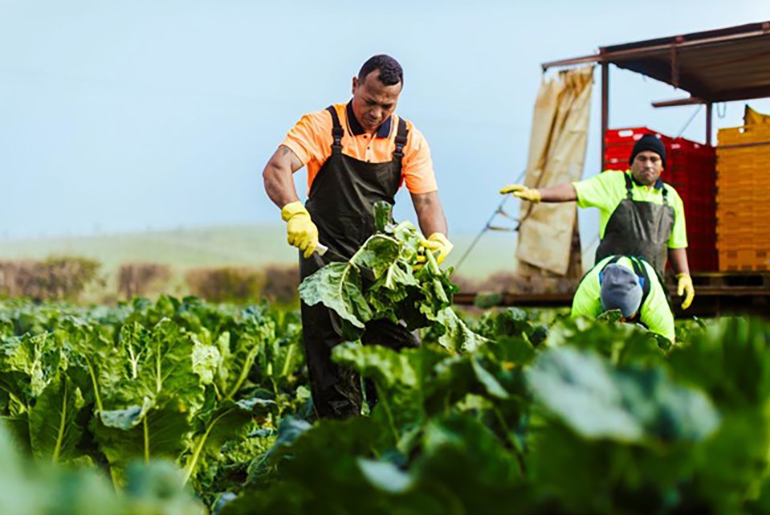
[713, 66]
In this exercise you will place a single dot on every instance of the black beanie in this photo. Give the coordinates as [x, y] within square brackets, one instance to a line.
[652, 143]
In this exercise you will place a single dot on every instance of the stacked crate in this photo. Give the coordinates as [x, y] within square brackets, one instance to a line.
[691, 170]
[743, 198]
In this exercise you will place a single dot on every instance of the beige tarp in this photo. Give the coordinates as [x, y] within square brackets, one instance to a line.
[549, 245]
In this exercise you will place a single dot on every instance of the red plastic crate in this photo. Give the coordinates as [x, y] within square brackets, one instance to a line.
[631, 135]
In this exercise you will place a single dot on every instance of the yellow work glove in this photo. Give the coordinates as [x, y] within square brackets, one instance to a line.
[300, 230]
[436, 242]
[684, 286]
[522, 192]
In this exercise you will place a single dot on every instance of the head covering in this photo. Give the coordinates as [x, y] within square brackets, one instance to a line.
[620, 289]
[652, 143]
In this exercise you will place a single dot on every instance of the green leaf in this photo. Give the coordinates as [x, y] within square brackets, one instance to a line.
[289, 430]
[127, 418]
[492, 386]
[93, 351]
[623, 344]
[730, 360]
[625, 404]
[237, 358]
[379, 253]
[229, 420]
[158, 432]
[168, 368]
[157, 487]
[206, 360]
[397, 377]
[467, 469]
[338, 287]
[54, 427]
[456, 335]
[382, 216]
[149, 413]
[385, 476]
[385, 365]
[16, 364]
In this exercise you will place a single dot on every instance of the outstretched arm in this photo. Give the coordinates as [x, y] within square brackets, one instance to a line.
[560, 193]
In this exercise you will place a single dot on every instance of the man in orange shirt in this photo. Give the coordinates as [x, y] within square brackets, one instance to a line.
[356, 154]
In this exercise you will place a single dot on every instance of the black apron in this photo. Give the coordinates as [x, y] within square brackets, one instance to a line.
[341, 202]
[639, 229]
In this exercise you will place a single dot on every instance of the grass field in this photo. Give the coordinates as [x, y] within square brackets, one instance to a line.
[254, 245]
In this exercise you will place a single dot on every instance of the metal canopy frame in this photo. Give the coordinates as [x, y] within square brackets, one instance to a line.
[720, 65]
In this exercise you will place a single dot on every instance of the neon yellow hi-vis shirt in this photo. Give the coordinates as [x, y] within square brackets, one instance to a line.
[606, 190]
[655, 312]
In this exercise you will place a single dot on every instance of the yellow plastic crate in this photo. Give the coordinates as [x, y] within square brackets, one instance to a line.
[743, 135]
[744, 260]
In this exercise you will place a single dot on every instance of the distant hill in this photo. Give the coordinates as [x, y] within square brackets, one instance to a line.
[254, 245]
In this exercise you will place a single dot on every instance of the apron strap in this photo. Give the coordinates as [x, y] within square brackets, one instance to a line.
[664, 191]
[337, 131]
[629, 187]
[401, 136]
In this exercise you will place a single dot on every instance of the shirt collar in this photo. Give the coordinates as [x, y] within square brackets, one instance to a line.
[658, 184]
[383, 131]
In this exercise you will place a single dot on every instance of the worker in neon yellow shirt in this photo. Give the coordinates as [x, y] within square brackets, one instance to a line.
[630, 285]
[639, 215]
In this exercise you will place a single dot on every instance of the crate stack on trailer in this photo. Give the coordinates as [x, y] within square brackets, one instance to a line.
[743, 198]
[691, 170]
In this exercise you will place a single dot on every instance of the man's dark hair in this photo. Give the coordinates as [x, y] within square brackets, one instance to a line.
[391, 72]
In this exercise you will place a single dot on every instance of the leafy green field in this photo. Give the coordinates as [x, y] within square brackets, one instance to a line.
[256, 245]
[186, 407]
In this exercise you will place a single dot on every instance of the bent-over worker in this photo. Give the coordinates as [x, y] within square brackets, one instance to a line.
[630, 285]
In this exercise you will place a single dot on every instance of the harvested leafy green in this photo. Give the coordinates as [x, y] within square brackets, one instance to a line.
[397, 287]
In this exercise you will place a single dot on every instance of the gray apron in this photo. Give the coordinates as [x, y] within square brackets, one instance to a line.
[639, 229]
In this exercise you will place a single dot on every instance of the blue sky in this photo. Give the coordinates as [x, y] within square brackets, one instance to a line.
[128, 115]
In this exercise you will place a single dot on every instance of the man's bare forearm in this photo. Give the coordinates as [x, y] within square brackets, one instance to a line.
[678, 258]
[278, 177]
[559, 193]
[430, 213]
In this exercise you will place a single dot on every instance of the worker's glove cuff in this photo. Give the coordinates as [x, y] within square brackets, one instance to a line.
[293, 209]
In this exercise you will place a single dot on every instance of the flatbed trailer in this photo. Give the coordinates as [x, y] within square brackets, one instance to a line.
[716, 293]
